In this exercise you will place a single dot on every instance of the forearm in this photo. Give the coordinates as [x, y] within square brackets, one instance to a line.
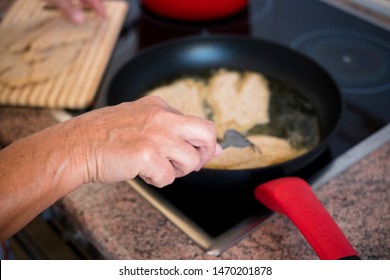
[145, 138]
[34, 173]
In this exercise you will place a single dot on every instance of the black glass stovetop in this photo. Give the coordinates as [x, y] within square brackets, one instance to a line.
[356, 54]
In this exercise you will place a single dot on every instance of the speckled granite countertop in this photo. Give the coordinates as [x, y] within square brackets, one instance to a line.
[122, 225]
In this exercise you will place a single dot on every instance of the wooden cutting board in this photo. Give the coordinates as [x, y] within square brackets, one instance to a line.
[74, 89]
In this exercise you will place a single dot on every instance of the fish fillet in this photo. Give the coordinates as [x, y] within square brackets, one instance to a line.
[25, 33]
[70, 34]
[270, 150]
[184, 95]
[238, 101]
[7, 61]
[59, 60]
[17, 75]
[38, 50]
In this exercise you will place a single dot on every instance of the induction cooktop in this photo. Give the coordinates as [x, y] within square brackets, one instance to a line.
[355, 52]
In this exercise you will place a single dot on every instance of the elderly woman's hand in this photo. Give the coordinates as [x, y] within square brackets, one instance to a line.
[73, 10]
[146, 138]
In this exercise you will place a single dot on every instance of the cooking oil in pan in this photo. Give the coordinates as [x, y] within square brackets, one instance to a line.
[292, 117]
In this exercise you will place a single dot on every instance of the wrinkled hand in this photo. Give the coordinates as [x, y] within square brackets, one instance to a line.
[73, 9]
[146, 138]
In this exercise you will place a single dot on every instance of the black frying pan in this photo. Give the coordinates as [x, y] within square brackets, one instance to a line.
[196, 54]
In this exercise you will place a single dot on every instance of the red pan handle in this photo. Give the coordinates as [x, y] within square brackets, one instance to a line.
[294, 198]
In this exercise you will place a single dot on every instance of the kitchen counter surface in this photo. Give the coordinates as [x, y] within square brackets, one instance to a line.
[122, 225]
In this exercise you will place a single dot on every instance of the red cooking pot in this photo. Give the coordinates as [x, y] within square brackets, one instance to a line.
[194, 10]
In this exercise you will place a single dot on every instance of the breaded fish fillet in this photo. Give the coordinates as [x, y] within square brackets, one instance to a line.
[270, 150]
[238, 101]
[184, 95]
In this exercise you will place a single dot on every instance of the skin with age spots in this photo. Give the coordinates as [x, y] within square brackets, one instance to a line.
[145, 138]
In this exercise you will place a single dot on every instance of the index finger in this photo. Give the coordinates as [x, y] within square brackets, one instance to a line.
[201, 134]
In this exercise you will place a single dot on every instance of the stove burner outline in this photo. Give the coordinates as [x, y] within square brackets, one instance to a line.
[351, 58]
[258, 15]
